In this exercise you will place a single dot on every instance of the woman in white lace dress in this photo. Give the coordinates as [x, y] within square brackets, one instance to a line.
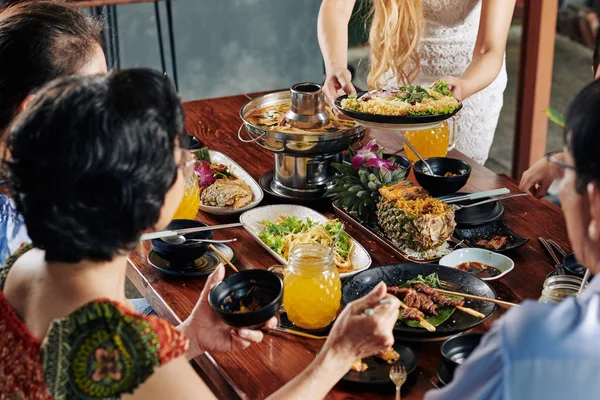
[421, 41]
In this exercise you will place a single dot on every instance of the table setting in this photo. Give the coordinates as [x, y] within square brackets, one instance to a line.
[308, 218]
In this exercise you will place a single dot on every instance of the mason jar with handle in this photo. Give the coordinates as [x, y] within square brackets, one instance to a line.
[312, 289]
[433, 142]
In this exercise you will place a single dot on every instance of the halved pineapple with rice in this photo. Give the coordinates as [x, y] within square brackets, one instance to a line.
[417, 223]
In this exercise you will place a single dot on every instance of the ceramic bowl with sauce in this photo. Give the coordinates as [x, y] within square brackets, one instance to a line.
[451, 175]
[248, 298]
[482, 263]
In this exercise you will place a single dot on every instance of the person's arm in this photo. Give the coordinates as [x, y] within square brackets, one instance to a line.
[206, 331]
[538, 178]
[332, 28]
[488, 55]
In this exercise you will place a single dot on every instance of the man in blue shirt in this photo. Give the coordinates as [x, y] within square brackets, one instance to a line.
[551, 351]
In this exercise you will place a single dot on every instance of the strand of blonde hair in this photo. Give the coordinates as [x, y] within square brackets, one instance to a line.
[396, 30]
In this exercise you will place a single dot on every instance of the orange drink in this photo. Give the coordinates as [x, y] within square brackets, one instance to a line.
[312, 289]
[432, 142]
[188, 208]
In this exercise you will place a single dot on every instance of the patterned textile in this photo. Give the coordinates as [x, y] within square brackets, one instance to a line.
[100, 351]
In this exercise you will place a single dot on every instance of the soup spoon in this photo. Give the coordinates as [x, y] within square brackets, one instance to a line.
[180, 239]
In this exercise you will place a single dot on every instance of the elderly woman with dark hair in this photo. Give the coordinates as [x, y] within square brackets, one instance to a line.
[39, 41]
[551, 351]
[84, 216]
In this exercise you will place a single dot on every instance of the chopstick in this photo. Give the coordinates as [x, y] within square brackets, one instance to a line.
[471, 296]
[298, 333]
[213, 248]
[164, 234]
[422, 320]
[471, 312]
[478, 195]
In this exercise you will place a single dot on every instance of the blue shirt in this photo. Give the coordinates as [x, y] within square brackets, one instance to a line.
[12, 229]
[536, 351]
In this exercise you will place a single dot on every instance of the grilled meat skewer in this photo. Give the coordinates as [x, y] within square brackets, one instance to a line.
[436, 297]
[415, 300]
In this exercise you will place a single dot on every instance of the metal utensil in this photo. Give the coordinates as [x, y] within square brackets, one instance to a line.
[180, 239]
[336, 239]
[557, 247]
[478, 195]
[586, 278]
[550, 251]
[398, 376]
[414, 150]
[164, 234]
[460, 207]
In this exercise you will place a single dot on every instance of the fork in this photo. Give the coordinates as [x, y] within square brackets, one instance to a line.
[398, 376]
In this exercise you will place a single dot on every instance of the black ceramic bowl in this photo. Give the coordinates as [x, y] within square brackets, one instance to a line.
[456, 349]
[186, 251]
[441, 185]
[244, 288]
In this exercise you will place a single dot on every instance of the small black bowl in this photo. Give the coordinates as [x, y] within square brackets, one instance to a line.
[441, 185]
[571, 265]
[184, 252]
[456, 349]
[243, 288]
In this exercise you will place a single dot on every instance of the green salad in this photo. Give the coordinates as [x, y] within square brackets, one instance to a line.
[281, 237]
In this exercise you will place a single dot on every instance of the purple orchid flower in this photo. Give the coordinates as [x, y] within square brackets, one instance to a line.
[380, 163]
[365, 153]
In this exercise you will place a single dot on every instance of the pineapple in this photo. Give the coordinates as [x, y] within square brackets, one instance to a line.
[357, 192]
[412, 219]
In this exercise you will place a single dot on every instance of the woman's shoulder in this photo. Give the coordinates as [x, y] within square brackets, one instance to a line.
[104, 350]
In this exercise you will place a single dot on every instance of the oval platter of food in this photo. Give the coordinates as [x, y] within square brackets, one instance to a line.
[401, 107]
[429, 315]
[226, 188]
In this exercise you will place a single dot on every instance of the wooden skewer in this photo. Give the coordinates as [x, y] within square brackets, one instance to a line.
[470, 296]
[422, 321]
[471, 311]
[213, 248]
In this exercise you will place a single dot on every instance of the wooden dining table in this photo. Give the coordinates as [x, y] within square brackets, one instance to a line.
[263, 368]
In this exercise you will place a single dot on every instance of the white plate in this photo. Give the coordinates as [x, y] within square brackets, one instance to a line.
[253, 223]
[457, 257]
[257, 192]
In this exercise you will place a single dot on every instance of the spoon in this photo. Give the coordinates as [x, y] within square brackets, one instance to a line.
[180, 239]
[412, 148]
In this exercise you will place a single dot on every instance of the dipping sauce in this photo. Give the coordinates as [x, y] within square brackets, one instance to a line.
[480, 269]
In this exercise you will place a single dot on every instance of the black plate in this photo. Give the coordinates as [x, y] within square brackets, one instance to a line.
[476, 216]
[202, 266]
[444, 377]
[378, 372]
[362, 283]
[496, 228]
[392, 119]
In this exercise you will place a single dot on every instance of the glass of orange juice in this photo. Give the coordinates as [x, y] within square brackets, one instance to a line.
[188, 208]
[434, 142]
[312, 289]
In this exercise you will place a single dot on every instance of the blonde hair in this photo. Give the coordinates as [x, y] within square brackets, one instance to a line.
[396, 30]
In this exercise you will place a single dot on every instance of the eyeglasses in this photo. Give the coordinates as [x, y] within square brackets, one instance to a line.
[550, 158]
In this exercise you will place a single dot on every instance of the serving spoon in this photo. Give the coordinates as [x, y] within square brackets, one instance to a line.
[428, 170]
[180, 239]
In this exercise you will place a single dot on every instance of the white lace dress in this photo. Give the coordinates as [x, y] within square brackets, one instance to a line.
[449, 37]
